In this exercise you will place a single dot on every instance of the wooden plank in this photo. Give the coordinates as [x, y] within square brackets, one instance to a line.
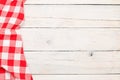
[78, 12]
[70, 39]
[73, 62]
[69, 23]
[76, 77]
[73, 2]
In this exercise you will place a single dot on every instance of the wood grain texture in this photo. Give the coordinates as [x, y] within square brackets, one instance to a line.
[73, 62]
[73, 2]
[71, 39]
[69, 23]
[78, 12]
[76, 77]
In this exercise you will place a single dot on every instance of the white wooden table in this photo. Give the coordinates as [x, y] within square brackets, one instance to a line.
[72, 39]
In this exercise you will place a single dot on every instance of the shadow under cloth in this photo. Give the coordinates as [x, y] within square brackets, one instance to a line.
[13, 65]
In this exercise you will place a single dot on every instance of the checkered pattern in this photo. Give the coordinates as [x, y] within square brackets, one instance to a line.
[13, 65]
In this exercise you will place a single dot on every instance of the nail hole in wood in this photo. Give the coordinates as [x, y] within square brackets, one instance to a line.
[91, 54]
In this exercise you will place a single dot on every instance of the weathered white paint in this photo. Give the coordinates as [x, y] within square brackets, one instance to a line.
[77, 77]
[76, 30]
[69, 12]
[73, 62]
[73, 2]
[69, 23]
[71, 39]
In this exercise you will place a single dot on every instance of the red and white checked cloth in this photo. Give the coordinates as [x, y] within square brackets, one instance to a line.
[13, 65]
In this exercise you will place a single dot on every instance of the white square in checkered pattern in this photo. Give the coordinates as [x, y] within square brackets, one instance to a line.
[6, 43]
[7, 31]
[17, 56]
[18, 44]
[7, 76]
[2, 19]
[17, 9]
[12, 20]
[4, 55]
[6, 8]
[16, 69]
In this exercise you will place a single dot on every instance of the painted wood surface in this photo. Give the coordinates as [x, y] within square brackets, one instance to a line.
[76, 62]
[68, 23]
[73, 2]
[72, 39]
[77, 77]
[77, 12]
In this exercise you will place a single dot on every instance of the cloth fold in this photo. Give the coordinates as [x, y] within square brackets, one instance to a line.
[13, 65]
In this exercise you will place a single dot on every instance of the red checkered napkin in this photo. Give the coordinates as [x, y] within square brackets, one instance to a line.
[13, 65]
